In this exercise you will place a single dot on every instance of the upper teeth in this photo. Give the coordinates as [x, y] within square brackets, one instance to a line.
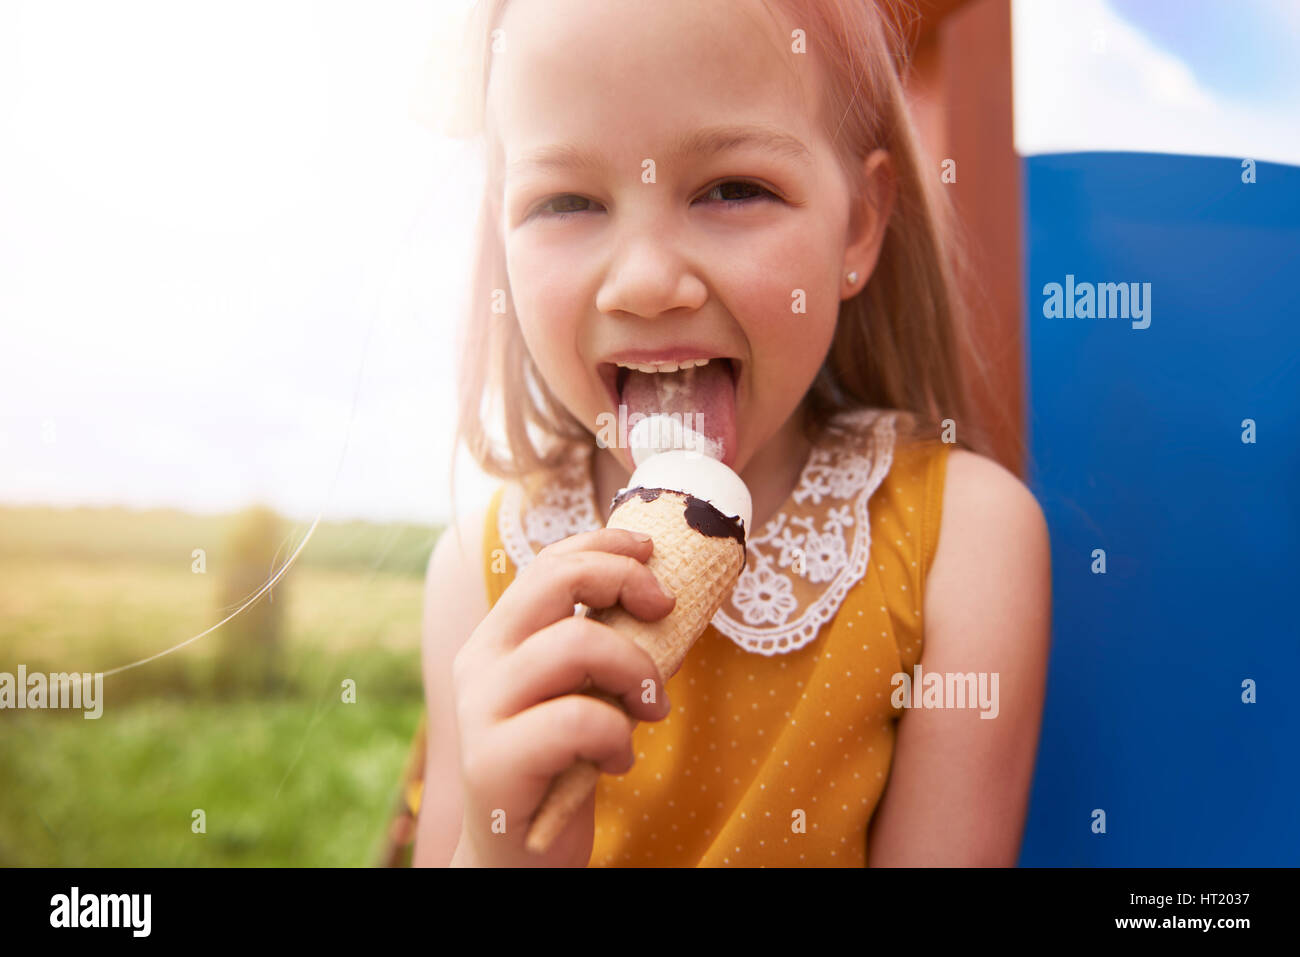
[663, 366]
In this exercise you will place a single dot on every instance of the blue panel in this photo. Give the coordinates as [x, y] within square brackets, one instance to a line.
[1136, 443]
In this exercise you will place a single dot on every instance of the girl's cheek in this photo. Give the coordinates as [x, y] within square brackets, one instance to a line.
[787, 291]
[787, 345]
[550, 338]
[547, 296]
[782, 311]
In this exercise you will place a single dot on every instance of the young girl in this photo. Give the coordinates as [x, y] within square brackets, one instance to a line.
[734, 181]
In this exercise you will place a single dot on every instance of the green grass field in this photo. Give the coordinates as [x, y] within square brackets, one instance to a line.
[284, 771]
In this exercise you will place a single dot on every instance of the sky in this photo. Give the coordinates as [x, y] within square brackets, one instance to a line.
[232, 245]
[1202, 77]
[234, 236]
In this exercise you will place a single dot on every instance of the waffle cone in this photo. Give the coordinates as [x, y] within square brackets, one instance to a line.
[700, 570]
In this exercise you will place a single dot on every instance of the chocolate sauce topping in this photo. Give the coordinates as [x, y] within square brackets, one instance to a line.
[707, 520]
[645, 494]
[700, 515]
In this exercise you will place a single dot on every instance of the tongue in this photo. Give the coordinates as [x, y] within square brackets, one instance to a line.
[703, 397]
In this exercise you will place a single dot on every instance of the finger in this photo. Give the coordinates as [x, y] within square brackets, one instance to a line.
[516, 760]
[551, 586]
[617, 541]
[573, 655]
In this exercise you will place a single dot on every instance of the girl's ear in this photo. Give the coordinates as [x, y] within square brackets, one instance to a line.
[868, 219]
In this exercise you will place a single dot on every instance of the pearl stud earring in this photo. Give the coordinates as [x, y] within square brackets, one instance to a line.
[853, 277]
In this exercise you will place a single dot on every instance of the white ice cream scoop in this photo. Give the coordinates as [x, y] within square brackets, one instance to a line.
[672, 456]
[661, 432]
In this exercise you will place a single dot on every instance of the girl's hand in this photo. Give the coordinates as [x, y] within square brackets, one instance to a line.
[515, 680]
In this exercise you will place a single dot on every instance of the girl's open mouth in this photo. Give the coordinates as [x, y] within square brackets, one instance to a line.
[699, 391]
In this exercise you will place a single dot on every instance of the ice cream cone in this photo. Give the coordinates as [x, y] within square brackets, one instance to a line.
[697, 556]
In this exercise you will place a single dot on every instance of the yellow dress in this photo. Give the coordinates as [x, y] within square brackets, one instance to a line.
[781, 735]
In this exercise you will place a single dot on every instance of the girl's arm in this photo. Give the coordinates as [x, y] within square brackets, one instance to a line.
[958, 791]
[455, 601]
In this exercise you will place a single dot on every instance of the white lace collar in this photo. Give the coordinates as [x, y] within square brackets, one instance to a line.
[821, 535]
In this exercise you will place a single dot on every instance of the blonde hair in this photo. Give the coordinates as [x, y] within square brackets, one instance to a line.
[898, 343]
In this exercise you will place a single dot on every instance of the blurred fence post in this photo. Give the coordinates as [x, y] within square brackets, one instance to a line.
[249, 659]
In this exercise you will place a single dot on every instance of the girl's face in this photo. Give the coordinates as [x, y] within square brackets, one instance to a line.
[669, 193]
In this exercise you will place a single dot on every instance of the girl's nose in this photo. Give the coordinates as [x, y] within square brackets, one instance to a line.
[649, 275]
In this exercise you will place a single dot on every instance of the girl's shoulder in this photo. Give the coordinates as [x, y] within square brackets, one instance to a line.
[980, 489]
[993, 535]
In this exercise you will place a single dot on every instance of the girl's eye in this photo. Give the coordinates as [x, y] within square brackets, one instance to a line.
[562, 201]
[727, 193]
[728, 189]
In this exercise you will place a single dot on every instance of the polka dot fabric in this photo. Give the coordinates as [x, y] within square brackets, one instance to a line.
[780, 760]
